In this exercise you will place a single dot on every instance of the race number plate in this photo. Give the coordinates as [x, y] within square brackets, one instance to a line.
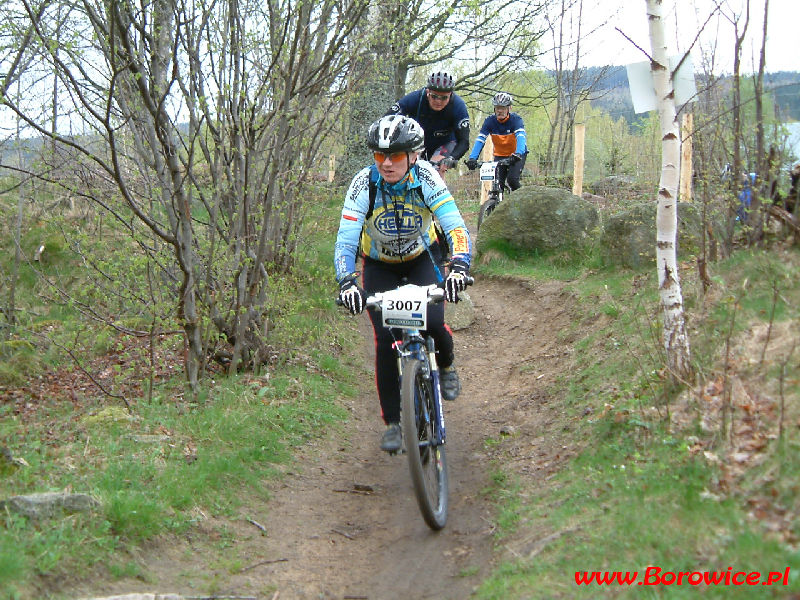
[487, 171]
[405, 307]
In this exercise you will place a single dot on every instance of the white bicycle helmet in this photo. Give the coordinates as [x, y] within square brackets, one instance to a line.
[441, 82]
[395, 133]
[502, 99]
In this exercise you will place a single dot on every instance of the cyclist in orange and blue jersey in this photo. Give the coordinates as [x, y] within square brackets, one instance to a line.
[443, 116]
[387, 218]
[508, 136]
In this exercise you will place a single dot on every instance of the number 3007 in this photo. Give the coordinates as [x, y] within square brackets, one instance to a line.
[405, 305]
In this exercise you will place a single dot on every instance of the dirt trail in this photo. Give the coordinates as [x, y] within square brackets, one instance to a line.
[343, 543]
[346, 523]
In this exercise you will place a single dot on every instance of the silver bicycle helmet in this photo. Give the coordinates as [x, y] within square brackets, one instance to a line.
[395, 133]
[441, 82]
[502, 99]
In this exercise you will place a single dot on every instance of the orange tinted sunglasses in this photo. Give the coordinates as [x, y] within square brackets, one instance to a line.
[393, 157]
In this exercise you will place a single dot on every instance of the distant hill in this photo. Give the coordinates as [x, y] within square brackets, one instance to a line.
[15, 154]
[794, 139]
[615, 98]
[785, 87]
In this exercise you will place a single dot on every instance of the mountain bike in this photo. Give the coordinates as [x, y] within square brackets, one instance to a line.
[422, 418]
[489, 172]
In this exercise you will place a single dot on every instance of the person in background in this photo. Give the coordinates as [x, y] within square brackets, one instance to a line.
[444, 119]
[509, 140]
[394, 231]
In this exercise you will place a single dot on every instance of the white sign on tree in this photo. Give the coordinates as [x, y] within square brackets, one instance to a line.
[643, 92]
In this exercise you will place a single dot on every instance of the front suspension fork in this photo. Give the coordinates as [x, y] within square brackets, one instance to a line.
[437, 393]
[433, 374]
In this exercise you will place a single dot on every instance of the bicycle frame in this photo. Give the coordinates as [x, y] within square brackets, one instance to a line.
[422, 416]
[495, 196]
[489, 173]
[414, 343]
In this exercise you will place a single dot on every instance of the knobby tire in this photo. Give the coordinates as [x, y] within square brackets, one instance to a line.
[486, 209]
[427, 463]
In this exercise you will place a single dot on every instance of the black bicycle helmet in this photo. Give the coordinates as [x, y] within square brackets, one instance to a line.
[502, 99]
[441, 82]
[395, 133]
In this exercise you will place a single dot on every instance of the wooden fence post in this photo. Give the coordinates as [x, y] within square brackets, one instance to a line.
[687, 133]
[486, 155]
[331, 168]
[578, 159]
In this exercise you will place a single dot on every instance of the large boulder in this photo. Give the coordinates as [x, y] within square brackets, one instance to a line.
[629, 237]
[460, 315]
[540, 219]
[49, 504]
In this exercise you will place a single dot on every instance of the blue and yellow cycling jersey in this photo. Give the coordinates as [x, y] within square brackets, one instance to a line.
[401, 224]
[508, 137]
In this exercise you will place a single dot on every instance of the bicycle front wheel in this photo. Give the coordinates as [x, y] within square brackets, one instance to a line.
[427, 461]
[487, 208]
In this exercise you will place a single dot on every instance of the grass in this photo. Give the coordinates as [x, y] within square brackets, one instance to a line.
[626, 506]
[502, 259]
[241, 436]
[158, 467]
[643, 492]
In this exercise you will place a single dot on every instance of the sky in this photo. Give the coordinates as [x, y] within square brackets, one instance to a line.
[606, 45]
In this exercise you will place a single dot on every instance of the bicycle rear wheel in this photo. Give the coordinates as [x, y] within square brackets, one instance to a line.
[427, 461]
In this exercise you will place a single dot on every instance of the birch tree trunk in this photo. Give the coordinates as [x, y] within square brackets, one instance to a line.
[763, 164]
[739, 174]
[676, 340]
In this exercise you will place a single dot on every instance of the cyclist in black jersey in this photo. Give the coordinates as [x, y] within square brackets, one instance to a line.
[444, 119]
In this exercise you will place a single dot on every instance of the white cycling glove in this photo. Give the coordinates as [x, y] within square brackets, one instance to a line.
[351, 294]
[456, 281]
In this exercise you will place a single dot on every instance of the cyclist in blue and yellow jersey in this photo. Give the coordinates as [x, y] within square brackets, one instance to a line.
[443, 117]
[509, 139]
[388, 217]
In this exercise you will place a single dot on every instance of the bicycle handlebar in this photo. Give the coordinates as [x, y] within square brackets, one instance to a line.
[435, 294]
[447, 161]
[499, 161]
